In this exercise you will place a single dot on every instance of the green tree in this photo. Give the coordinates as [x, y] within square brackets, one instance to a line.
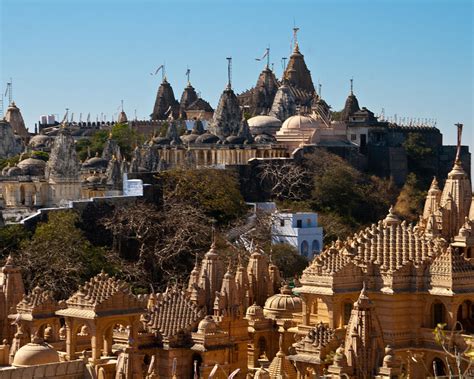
[288, 260]
[59, 257]
[42, 155]
[214, 192]
[11, 238]
[411, 198]
[346, 198]
[126, 138]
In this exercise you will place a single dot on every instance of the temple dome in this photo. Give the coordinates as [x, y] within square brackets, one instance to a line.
[264, 139]
[299, 122]
[14, 171]
[95, 163]
[264, 124]
[282, 305]
[40, 141]
[35, 353]
[32, 166]
[207, 325]
[254, 312]
[208, 138]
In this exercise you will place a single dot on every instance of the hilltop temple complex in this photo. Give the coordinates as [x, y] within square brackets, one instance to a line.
[365, 307]
[278, 118]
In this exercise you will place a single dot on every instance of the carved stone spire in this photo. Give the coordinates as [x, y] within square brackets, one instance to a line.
[227, 117]
[280, 366]
[15, 119]
[11, 283]
[63, 164]
[457, 194]
[297, 72]
[212, 273]
[165, 103]
[284, 103]
[364, 337]
[351, 106]
[259, 282]
[9, 146]
[188, 97]
[432, 199]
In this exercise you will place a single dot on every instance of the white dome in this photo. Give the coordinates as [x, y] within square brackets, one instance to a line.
[264, 124]
[300, 122]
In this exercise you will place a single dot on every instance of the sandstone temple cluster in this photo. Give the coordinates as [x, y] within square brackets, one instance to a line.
[365, 307]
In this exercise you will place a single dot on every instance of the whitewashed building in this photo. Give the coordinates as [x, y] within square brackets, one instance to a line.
[300, 230]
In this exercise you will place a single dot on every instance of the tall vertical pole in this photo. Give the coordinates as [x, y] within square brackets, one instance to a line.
[458, 148]
[229, 72]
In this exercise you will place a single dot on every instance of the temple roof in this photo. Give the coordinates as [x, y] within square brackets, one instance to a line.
[38, 302]
[173, 312]
[200, 105]
[102, 295]
[389, 247]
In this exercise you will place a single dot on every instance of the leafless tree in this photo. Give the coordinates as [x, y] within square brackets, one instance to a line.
[287, 180]
[168, 239]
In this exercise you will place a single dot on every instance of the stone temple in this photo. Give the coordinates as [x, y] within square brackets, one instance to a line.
[365, 307]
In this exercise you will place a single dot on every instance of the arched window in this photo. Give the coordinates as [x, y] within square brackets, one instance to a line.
[262, 346]
[465, 316]
[315, 248]
[438, 314]
[347, 309]
[305, 249]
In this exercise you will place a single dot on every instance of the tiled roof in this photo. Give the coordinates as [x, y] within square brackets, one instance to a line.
[172, 313]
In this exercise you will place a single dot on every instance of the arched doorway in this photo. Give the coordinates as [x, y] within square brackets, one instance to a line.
[315, 247]
[197, 362]
[438, 367]
[305, 249]
[22, 195]
[438, 314]
[261, 347]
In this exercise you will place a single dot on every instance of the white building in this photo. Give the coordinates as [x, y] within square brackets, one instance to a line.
[300, 230]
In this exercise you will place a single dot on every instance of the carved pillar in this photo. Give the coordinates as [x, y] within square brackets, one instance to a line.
[71, 339]
[306, 309]
[108, 341]
[97, 339]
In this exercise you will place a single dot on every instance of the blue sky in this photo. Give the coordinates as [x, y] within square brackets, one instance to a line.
[412, 58]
